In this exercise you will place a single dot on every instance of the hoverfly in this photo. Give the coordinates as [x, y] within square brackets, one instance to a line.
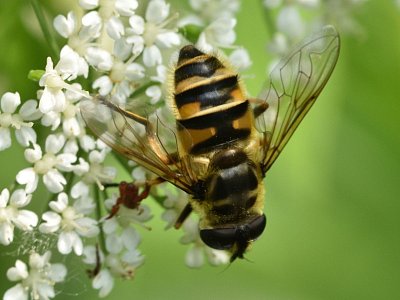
[223, 141]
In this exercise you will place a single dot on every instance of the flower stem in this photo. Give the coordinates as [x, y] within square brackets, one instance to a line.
[142, 89]
[269, 20]
[48, 34]
[99, 205]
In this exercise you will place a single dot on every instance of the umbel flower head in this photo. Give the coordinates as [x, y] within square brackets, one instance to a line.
[37, 280]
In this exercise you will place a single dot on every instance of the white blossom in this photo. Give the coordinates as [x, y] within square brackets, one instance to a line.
[24, 132]
[94, 170]
[150, 34]
[53, 97]
[12, 215]
[111, 266]
[70, 222]
[38, 281]
[48, 165]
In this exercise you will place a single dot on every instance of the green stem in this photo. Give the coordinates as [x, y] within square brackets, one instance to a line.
[48, 34]
[99, 205]
[142, 89]
[269, 20]
[70, 179]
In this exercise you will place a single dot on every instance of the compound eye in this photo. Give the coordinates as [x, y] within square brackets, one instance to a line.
[220, 239]
[256, 227]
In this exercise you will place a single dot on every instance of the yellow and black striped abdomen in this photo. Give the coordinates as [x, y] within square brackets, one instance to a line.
[211, 105]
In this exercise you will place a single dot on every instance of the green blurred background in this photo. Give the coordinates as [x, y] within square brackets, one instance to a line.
[333, 197]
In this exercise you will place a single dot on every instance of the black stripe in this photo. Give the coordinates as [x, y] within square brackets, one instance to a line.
[224, 136]
[228, 158]
[211, 94]
[217, 118]
[202, 68]
[222, 122]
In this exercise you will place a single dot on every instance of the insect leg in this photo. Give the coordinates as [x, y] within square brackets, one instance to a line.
[259, 107]
[182, 217]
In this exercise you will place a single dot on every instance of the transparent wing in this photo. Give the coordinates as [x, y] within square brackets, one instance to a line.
[294, 85]
[147, 141]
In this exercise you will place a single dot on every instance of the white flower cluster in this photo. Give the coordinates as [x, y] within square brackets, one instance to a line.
[290, 21]
[121, 50]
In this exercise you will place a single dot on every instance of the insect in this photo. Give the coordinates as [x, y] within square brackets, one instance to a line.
[223, 142]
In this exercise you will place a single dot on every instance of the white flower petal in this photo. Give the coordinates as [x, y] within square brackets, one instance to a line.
[58, 272]
[131, 238]
[290, 23]
[47, 101]
[194, 257]
[240, 58]
[29, 177]
[71, 64]
[61, 204]
[52, 224]
[54, 143]
[5, 138]
[87, 143]
[138, 44]
[126, 7]
[38, 261]
[113, 244]
[137, 24]
[89, 4]
[26, 220]
[29, 111]
[33, 155]
[19, 272]
[154, 93]
[17, 292]
[103, 282]
[79, 189]
[157, 11]
[152, 56]
[104, 84]
[10, 102]
[87, 227]
[91, 19]
[168, 39]
[217, 257]
[110, 225]
[71, 127]
[99, 58]
[6, 233]
[66, 241]
[54, 181]
[52, 119]
[65, 26]
[135, 71]
[115, 28]
[71, 146]
[134, 258]
[26, 136]
[4, 197]
[19, 198]
[64, 161]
